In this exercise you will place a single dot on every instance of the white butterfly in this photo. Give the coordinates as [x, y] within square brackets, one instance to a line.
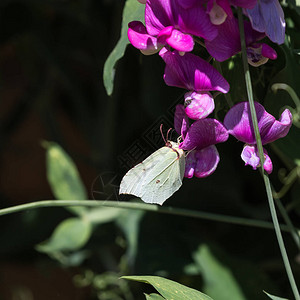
[158, 177]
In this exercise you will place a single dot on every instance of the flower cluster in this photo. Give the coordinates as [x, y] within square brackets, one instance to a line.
[171, 28]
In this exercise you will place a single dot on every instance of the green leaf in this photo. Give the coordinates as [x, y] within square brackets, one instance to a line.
[169, 289]
[154, 297]
[275, 297]
[133, 10]
[128, 222]
[71, 234]
[218, 279]
[63, 176]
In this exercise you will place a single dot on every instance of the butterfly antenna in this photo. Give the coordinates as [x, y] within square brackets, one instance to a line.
[170, 129]
[162, 134]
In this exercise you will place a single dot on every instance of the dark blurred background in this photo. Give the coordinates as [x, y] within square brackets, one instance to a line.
[52, 54]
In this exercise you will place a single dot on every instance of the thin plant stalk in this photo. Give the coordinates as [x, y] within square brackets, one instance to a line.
[141, 206]
[261, 156]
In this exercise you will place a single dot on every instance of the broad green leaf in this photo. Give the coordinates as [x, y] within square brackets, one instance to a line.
[133, 10]
[128, 222]
[63, 176]
[274, 297]
[169, 289]
[154, 297]
[69, 235]
[219, 282]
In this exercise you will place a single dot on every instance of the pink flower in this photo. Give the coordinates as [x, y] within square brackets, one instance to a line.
[267, 16]
[228, 43]
[192, 73]
[200, 139]
[173, 23]
[239, 124]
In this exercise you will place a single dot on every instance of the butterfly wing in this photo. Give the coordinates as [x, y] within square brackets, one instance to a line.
[157, 178]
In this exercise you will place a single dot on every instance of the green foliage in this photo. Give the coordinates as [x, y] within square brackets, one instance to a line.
[63, 176]
[59, 51]
[70, 235]
[73, 233]
[129, 222]
[219, 282]
[133, 10]
[169, 289]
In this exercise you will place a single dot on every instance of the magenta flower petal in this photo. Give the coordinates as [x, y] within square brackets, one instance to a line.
[192, 73]
[195, 21]
[251, 157]
[267, 16]
[181, 121]
[204, 133]
[176, 39]
[198, 104]
[190, 164]
[180, 41]
[158, 15]
[189, 17]
[201, 163]
[268, 52]
[278, 129]
[227, 43]
[239, 124]
[207, 161]
[140, 39]
[268, 166]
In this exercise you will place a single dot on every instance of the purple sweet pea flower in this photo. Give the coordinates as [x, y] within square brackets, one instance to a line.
[140, 39]
[267, 16]
[173, 23]
[239, 124]
[228, 43]
[187, 17]
[196, 75]
[199, 139]
[192, 73]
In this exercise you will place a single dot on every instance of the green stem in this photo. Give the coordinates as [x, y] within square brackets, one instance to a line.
[261, 156]
[141, 206]
[283, 86]
[287, 220]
